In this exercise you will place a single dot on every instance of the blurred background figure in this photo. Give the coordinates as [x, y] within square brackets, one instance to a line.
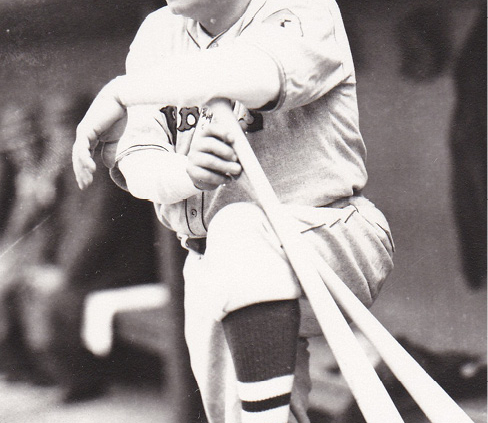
[59, 244]
[427, 51]
[24, 204]
[424, 39]
[468, 150]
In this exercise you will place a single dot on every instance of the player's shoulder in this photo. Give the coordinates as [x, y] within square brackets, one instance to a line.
[161, 15]
[152, 38]
[157, 30]
[161, 18]
[314, 8]
[317, 17]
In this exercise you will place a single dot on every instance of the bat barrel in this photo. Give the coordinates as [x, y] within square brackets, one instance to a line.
[437, 405]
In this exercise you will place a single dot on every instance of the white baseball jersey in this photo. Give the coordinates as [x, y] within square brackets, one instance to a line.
[308, 142]
[309, 145]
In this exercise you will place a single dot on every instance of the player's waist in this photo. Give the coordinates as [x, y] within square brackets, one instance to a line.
[198, 245]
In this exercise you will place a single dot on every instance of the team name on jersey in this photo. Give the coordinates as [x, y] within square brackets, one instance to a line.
[185, 118]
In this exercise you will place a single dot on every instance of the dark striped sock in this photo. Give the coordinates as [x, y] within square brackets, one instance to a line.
[263, 341]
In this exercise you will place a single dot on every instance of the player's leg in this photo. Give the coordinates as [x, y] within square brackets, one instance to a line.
[259, 309]
[209, 354]
[211, 360]
[355, 241]
[244, 265]
[302, 384]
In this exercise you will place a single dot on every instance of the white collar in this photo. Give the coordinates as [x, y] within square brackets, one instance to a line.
[203, 40]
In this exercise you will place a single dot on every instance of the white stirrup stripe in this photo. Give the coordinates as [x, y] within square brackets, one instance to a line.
[257, 391]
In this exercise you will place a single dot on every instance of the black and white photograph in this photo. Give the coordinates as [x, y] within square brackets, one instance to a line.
[243, 211]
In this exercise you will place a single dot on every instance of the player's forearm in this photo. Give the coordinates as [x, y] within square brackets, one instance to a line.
[245, 74]
[103, 112]
[160, 178]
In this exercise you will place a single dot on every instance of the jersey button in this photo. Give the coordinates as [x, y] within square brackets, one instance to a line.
[214, 45]
[193, 212]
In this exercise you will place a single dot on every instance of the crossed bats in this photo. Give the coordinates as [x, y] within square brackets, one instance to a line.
[326, 291]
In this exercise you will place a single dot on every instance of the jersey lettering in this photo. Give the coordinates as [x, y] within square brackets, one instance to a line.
[180, 120]
[186, 118]
[189, 118]
[169, 113]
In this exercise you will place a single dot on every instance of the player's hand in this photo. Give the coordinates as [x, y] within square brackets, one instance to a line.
[105, 110]
[212, 161]
[83, 164]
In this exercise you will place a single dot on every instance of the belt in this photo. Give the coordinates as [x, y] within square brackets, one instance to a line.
[197, 245]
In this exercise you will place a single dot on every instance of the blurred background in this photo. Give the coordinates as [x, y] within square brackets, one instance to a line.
[421, 71]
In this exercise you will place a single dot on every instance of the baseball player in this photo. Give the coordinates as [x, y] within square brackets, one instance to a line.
[287, 68]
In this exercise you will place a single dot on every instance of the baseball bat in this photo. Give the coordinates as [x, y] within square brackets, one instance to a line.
[437, 405]
[371, 396]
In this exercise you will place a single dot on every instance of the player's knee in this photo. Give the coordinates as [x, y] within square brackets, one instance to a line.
[245, 259]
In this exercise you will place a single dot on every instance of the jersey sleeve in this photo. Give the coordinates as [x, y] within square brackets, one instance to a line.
[143, 51]
[308, 43]
[145, 126]
[146, 161]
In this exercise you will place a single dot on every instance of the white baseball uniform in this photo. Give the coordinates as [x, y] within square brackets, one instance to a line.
[309, 145]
